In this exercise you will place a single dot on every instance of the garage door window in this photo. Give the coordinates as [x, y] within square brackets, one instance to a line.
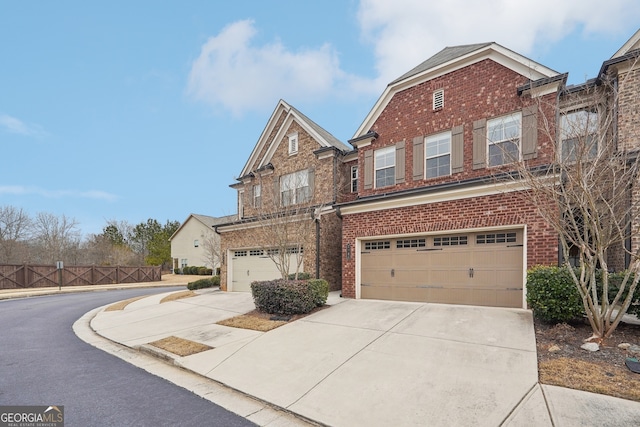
[411, 243]
[372, 246]
[256, 252]
[484, 239]
[240, 253]
[450, 241]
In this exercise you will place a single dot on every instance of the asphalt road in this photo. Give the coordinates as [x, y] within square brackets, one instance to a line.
[42, 362]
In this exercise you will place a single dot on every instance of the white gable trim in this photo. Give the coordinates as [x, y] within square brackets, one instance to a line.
[254, 162]
[271, 124]
[508, 58]
[628, 45]
[283, 133]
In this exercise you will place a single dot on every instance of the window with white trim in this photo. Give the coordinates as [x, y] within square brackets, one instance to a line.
[257, 196]
[196, 243]
[293, 143]
[438, 153]
[503, 136]
[385, 166]
[438, 99]
[294, 188]
[354, 179]
[578, 134]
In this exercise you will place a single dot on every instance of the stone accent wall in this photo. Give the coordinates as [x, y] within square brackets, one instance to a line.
[329, 177]
[629, 109]
[330, 244]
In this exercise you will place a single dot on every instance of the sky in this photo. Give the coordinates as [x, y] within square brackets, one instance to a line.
[130, 110]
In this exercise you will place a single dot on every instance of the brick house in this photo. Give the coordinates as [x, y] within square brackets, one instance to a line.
[435, 218]
[430, 222]
[295, 172]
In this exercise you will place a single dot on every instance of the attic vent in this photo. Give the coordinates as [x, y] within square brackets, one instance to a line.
[293, 143]
[438, 99]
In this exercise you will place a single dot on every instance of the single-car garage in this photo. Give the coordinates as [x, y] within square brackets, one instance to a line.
[476, 268]
[249, 265]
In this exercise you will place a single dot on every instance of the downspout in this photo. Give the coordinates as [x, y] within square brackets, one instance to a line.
[627, 240]
[557, 118]
[317, 248]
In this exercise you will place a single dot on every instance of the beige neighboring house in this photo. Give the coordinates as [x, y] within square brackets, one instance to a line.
[195, 243]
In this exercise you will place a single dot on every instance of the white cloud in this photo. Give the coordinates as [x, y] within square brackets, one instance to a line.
[240, 76]
[406, 32]
[14, 125]
[20, 190]
[232, 72]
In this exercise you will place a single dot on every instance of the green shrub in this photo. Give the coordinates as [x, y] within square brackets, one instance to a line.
[204, 283]
[552, 294]
[203, 271]
[301, 276]
[320, 290]
[615, 280]
[284, 297]
[177, 271]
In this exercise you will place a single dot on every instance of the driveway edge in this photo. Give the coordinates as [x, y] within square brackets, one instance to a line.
[164, 366]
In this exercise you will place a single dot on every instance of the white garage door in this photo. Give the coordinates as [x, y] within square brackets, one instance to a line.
[249, 265]
[482, 268]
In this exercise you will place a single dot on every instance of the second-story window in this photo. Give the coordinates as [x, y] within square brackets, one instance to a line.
[438, 151]
[257, 196]
[354, 179]
[503, 136]
[385, 166]
[294, 188]
[578, 135]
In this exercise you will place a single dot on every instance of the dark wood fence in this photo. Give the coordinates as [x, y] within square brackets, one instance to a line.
[14, 276]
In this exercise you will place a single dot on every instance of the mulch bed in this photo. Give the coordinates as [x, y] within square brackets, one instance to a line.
[603, 371]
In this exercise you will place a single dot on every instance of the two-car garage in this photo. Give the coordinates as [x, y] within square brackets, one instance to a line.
[475, 268]
[249, 265]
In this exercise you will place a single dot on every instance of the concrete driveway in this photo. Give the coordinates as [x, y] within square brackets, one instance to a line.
[359, 362]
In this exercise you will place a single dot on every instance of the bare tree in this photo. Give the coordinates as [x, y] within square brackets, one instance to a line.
[57, 238]
[588, 193]
[285, 212]
[211, 246]
[14, 231]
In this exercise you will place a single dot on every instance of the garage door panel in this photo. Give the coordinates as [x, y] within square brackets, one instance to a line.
[410, 277]
[251, 268]
[482, 268]
[508, 298]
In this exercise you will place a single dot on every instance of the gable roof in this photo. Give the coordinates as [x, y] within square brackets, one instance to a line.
[451, 59]
[322, 136]
[631, 44]
[208, 221]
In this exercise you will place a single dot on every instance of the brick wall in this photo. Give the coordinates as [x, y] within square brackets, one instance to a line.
[482, 90]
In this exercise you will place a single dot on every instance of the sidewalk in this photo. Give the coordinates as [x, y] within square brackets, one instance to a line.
[167, 280]
[361, 362]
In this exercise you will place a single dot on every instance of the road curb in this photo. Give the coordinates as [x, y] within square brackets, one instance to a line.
[163, 364]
